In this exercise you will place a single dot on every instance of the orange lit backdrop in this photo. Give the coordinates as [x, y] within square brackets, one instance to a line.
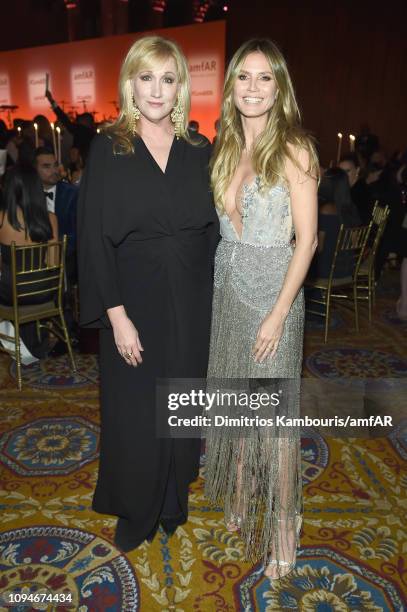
[84, 74]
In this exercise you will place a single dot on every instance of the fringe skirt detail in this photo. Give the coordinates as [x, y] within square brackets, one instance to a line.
[253, 469]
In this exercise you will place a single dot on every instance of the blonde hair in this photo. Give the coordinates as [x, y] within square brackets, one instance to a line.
[142, 55]
[283, 127]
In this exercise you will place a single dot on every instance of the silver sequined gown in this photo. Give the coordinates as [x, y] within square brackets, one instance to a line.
[256, 474]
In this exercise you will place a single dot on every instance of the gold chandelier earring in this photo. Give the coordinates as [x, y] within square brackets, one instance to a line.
[178, 118]
[135, 116]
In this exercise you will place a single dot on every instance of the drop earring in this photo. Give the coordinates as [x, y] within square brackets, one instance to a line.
[178, 117]
[135, 116]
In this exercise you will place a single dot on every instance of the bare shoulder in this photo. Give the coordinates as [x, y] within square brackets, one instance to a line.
[298, 165]
[6, 230]
[3, 219]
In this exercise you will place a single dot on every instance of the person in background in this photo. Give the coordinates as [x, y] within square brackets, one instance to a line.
[3, 134]
[335, 208]
[25, 220]
[379, 158]
[5, 137]
[217, 126]
[383, 188]
[26, 144]
[14, 141]
[76, 166]
[44, 131]
[62, 199]
[366, 142]
[350, 164]
[358, 188]
[82, 130]
[193, 133]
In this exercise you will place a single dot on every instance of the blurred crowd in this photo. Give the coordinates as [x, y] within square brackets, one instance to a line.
[347, 194]
[41, 166]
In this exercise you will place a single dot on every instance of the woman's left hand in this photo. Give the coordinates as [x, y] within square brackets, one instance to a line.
[268, 336]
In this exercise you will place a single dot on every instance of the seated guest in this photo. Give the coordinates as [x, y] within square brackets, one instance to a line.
[366, 142]
[25, 220]
[62, 199]
[384, 188]
[378, 158]
[350, 164]
[75, 167]
[335, 208]
[359, 190]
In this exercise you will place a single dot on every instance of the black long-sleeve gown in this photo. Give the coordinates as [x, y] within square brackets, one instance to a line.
[146, 240]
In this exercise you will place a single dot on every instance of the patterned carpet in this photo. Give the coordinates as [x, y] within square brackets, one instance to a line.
[354, 544]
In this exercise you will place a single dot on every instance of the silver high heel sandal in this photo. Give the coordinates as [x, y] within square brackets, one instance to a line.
[285, 566]
[235, 519]
[234, 523]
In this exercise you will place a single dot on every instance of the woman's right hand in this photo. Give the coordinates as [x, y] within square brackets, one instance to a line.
[126, 336]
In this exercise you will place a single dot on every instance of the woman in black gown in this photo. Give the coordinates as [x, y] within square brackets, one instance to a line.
[147, 234]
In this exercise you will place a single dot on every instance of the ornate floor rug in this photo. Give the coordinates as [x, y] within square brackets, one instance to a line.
[353, 555]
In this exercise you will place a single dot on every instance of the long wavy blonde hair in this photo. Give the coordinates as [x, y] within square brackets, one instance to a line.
[283, 128]
[143, 55]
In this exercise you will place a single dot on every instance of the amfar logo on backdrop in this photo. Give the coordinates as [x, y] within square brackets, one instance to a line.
[5, 97]
[203, 66]
[83, 75]
[204, 78]
[36, 81]
[83, 85]
[36, 89]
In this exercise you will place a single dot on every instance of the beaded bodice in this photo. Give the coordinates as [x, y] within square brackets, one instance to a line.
[266, 216]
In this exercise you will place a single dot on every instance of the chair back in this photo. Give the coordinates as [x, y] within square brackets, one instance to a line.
[379, 213]
[380, 216]
[38, 272]
[349, 250]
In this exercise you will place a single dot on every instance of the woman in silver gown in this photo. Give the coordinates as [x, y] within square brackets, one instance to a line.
[264, 179]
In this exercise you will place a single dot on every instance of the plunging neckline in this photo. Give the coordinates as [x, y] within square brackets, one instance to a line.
[244, 189]
[153, 159]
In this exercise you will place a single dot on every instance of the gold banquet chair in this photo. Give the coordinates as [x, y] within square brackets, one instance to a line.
[366, 273]
[351, 243]
[37, 270]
